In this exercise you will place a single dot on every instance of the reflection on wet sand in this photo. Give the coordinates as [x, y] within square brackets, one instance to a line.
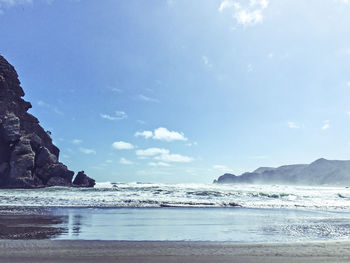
[30, 223]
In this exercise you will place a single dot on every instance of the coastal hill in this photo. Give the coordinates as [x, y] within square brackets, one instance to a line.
[319, 172]
[28, 158]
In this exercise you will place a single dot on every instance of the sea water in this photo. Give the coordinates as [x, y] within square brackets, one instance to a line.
[240, 213]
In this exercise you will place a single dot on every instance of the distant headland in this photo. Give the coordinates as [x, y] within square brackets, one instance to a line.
[28, 158]
[319, 172]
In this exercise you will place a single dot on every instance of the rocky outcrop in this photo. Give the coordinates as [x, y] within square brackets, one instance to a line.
[319, 172]
[83, 180]
[28, 158]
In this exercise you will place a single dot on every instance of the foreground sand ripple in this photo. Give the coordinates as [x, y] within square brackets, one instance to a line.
[118, 251]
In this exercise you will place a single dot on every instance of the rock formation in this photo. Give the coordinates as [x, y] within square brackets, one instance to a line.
[319, 172]
[28, 158]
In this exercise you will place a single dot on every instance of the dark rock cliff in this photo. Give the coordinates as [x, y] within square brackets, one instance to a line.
[28, 158]
[319, 172]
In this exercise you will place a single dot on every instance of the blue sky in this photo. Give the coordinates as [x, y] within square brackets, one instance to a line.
[183, 91]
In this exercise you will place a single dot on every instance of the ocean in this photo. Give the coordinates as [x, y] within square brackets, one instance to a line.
[192, 212]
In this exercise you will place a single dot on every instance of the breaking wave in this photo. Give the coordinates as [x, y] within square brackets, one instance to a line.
[108, 194]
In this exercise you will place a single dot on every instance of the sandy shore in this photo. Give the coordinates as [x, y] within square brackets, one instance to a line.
[117, 251]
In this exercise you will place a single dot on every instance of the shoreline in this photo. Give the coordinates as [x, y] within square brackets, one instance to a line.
[58, 251]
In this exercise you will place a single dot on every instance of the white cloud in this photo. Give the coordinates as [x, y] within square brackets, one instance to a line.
[119, 115]
[164, 134]
[158, 164]
[176, 158]
[122, 145]
[348, 83]
[225, 4]
[245, 17]
[116, 90]
[163, 155]
[326, 125]
[222, 168]
[77, 141]
[87, 151]
[293, 125]
[125, 161]
[248, 14]
[148, 99]
[151, 152]
[146, 134]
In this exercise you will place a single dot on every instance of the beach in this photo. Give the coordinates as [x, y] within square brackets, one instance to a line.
[59, 232]
[130, 252]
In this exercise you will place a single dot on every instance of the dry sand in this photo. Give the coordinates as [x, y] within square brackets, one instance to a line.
[137, 252]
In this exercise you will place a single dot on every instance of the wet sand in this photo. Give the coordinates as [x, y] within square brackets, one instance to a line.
[25, 234]
[205, 252]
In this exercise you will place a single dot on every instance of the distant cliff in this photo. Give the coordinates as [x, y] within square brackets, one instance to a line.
[28, 157]
[320, 172]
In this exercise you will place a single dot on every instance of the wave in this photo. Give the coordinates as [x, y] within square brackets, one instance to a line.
[137, 194]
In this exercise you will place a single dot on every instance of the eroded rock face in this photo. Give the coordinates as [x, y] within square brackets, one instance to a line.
[83, 180]
[28, 158]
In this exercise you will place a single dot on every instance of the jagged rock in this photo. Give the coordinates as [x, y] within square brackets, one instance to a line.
[10, 127]
[57, 181]
[55, 170]
[28, 158]
[35, 141]
[22, 161]
[45, 157]
[82, 180]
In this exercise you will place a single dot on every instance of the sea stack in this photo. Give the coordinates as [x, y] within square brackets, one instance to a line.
[28, 158]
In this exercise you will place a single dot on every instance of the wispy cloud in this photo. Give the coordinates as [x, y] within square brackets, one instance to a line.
[123, 145]
[87, 151]
[162, 134]
[151, 152]
[225, 4]
[147, 99]
[326, 125]
[176, 158]
[145, 134]
[46, 105]
[77, 141]
[246, 14]
[293, 125]
[125, 161]
[163, 155]
[114, 89]
[119, 115]
[158, 164]
[222, 168]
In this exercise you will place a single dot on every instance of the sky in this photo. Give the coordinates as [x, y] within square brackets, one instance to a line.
[182, 91]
